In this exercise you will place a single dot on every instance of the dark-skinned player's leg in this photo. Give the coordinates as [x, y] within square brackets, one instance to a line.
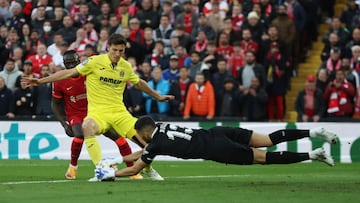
[76, 147]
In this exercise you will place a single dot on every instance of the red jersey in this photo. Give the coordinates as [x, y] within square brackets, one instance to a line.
[39, 61]
[188, 23]
[73, 92]
[226, 51]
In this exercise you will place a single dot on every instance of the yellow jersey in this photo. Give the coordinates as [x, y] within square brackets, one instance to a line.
[106, 82]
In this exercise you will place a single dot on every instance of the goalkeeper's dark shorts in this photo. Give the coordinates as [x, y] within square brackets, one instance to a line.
[231, 146]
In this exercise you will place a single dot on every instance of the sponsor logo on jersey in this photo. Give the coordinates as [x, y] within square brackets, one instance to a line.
[122, 73]
[110, 80]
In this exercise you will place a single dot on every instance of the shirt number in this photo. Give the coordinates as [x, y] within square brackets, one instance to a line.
[172, 134]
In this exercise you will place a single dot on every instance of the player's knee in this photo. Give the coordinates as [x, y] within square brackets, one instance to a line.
[89, 128]
[259, 156]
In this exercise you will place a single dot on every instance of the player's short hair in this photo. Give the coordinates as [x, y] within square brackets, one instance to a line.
[144, 122]
[71, 59]
[116, 39]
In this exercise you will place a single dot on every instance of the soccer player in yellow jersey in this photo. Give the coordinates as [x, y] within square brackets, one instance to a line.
[106, 77]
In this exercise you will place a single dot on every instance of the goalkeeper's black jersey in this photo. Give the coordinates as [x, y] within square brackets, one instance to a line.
[221, 144]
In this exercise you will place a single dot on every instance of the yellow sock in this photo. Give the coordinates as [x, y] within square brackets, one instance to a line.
[147, 168]
[93, 149]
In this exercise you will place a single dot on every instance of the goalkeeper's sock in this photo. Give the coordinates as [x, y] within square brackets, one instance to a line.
[76, 146]
[124, 149]
[93, 148]
[285, 157]
[287, 135]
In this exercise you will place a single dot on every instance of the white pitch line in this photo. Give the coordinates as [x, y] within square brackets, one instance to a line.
[34, 182]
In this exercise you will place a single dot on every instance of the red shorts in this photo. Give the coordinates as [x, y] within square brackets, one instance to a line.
[76, 119]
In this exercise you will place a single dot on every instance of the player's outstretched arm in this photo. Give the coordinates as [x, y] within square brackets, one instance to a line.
[143, 86]
[60, 75]
[133, 157]
[129, 171]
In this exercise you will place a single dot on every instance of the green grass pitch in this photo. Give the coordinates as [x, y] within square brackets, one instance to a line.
[204, 181]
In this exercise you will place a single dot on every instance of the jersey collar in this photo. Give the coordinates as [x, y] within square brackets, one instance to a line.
[153, 133]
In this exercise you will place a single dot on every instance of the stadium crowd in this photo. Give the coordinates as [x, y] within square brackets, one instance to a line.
[220, 58]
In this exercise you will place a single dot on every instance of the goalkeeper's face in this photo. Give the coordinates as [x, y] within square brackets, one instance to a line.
[145, 135]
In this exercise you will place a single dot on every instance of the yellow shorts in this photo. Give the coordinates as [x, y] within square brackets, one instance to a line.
[122, 122]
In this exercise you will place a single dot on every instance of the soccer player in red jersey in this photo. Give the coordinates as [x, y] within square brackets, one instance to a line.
[70, 102]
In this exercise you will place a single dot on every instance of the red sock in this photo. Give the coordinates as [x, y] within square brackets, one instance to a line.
[75, 150]
[124, 149]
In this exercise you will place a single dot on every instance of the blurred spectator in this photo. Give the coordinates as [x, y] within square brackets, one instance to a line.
[200, 100]
[333, 43]
[236, 59]
[173, 72]
[218, 78]
[57, 21]
[355, 41]
[5, 12]
[200, 43]
[39, 3]
[17, 21]
[7, 107]
[276, 82]
[349, 13]
[221, 5]
[10, 74]
[4, 32]
[337, 28]
[23, 97]
[355, 60]
[84, 15]
[211, 58]
[174, 42]
[156, 6]
[333, 63]
[25, 34]
[179, 89]
[136, 32]
[11, 43]
[133, 49]
[267, 9]
[104, 14]
[156, 109]
[101, 44]
[215, 16]
[350, 74]
[181, 53]
[203, 25]
[184, 38]
[74, 9]
[145, 71]
[134, 101]
[149, 42]
[249, 70]
[94, 7]
[309, 104]
[47, 35]
[158, 57]
[339, 96]
[114, 25]
[233, 35]
[18, 56]
[89, 51]
[124, 15]
[163, 32]
[263, 19]
[247, 42]
[171, 11]
[256, 28]
[40, 59]
[54, 48]
[42, 95]
[147, 16]
[68, 31]
[81, 41]
[187, 18]
[224, 47]
[38, 19]
[27, 72]
[237, 17]
[195, 65]
[91, 33]
[268, 43]
[322, 79]
[286, 27]
[33, 43]
[227, 99]
[58, 57]
[253, 102]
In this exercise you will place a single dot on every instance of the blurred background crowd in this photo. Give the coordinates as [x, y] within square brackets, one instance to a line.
[227, 59]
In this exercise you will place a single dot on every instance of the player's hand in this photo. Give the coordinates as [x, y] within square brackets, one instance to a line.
[68, 129]
[166, 98]
[30, 82]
